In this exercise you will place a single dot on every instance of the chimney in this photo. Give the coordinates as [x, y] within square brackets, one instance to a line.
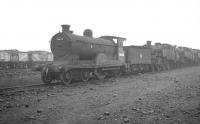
[65, 28]
[148, 43]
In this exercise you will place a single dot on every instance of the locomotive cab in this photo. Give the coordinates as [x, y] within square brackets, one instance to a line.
[119, 41]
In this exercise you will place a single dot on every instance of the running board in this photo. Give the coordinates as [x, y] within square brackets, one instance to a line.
[113, 68]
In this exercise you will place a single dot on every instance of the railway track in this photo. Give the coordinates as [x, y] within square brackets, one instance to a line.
[31, 87]
[20, 88]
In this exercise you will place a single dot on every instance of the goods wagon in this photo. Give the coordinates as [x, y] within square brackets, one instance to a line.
[198, 56]
[4, 56]
[167, 51]
[49, 57]
[190, 57]
[181, 59]
[156, 53]
[11, 55]
[10, 59]
[189, 54]
[23, 56]
[138, 55]
[38, 56]
[14, 57]
[164, 56]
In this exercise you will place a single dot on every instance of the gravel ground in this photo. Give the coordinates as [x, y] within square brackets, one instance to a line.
[19, 77]
[171, 97]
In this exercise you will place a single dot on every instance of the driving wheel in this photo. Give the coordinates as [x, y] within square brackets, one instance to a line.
[66, 77]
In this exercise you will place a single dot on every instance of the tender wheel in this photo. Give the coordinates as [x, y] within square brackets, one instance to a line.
[117, 73]
[46, 76]
[168, 67]
[152, 68]
[158, 68]
[85, 76]
[66, 77]
[100, 75]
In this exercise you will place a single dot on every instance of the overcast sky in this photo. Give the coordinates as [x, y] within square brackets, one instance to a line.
[30, 24]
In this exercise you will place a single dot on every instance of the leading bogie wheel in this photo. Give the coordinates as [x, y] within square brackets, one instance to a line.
[100, 75]
[66, 77]
[117, 73]
[46, 76]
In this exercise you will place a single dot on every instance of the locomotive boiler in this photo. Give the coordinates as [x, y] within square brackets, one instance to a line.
[72, 48]
[83, 56]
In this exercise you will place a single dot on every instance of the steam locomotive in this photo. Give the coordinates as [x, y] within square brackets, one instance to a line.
[84, 57]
